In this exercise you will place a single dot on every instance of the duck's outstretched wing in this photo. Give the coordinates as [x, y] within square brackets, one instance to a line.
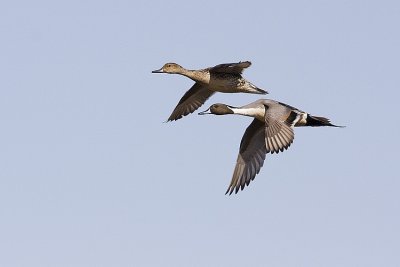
[279, 134]
[251, 156]
[191, 100]
[232, 68]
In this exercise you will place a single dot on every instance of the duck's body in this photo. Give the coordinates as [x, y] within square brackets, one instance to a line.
[223, 82]
[278, 111]
[224, 78]
[270, 132]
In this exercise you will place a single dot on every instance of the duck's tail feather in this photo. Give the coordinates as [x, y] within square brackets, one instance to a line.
[315, 121]
[260, 91]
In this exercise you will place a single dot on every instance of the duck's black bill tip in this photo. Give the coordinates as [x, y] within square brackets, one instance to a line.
[205, 112]
[157, 71]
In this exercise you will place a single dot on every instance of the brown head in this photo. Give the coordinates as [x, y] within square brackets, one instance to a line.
[171, 68]
[218, 109]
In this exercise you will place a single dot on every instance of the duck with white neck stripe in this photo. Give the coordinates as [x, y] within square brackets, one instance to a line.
[270, 132]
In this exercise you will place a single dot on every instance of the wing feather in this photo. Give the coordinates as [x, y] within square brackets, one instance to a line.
[251, 157]
[191, 100]
[232, 68]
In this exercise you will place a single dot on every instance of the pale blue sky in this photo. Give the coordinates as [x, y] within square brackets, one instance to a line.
[91, 176]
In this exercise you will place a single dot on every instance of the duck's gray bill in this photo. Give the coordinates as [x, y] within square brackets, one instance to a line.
[205, 112]
[158, 71]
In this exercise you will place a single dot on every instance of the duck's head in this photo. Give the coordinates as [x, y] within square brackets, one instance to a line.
[218, 109]
[171, 68]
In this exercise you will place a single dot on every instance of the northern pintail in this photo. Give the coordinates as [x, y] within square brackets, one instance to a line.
[270, 132]
[225, 78]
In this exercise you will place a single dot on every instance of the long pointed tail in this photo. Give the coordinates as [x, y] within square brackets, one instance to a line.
[261, 91]
[315, 121]
[252, 89]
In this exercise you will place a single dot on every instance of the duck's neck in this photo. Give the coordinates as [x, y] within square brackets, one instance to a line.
[250, 112]
[195, 75]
